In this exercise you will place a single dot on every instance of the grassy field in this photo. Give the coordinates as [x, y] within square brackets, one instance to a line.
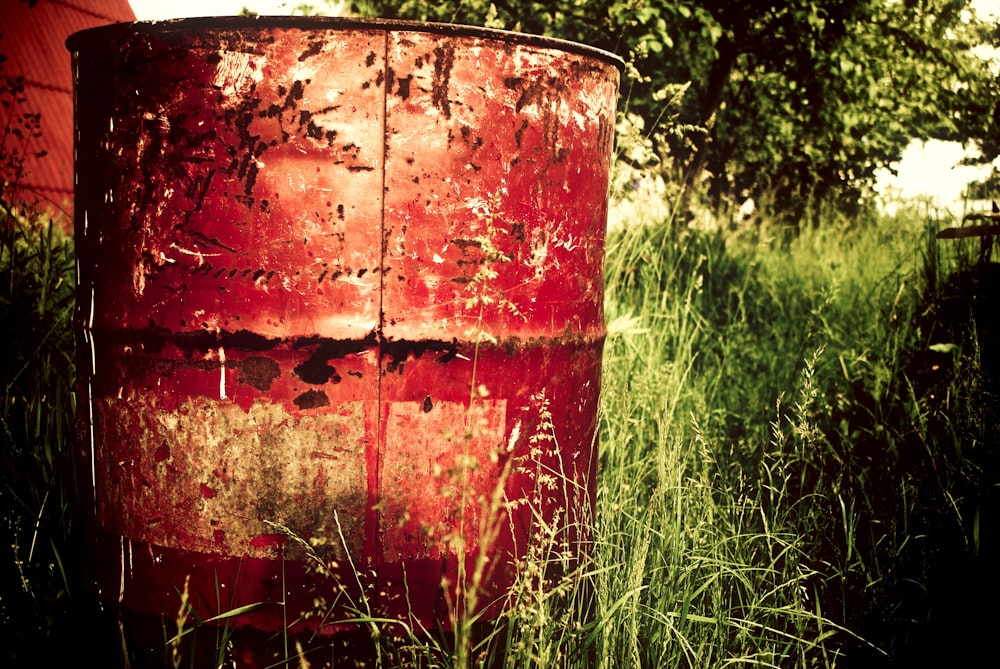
[799, 455]
[799, 463]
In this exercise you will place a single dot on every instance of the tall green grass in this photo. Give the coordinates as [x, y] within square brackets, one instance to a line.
[36, 430]
[798, 458]
[700, 498]
[780, 477]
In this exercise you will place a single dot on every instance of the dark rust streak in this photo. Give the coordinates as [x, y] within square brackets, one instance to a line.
[519, 132]
[200, 236]
[444, 60]
[313, 50]
[319, 455]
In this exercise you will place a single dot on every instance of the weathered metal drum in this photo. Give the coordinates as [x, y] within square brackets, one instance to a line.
[340, 310]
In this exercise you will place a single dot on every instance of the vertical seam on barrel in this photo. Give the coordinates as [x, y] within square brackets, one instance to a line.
[379, 327]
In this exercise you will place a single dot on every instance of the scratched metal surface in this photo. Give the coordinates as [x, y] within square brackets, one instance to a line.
[330, 272]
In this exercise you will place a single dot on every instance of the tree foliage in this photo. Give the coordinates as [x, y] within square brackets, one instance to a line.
[796, 103]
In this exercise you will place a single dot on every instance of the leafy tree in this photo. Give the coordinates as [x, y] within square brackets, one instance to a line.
[986, 134]
[798, 102]
[821, 94]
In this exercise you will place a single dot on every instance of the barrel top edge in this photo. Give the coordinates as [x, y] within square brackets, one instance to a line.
[102, 34]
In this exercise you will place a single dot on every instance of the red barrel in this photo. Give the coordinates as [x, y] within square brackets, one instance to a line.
[340, 310]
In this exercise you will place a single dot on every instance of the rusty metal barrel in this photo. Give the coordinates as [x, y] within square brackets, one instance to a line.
[340, 312]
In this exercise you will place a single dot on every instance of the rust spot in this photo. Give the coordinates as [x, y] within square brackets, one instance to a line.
[427, 405]
[296, 93]
[313, 49]
[398, 352]
[161, 453]
[466, 243]
[517, 231]
[513, 83]
[315, 370]
[404, 87]
[312, 399]
[206, 491]
[467, 136]
[258, 371]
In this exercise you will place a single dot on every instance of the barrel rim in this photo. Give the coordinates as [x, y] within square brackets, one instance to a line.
[101, 35]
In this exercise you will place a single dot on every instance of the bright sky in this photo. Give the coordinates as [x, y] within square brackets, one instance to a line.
[931, 169]
[987, 8]
[167, 9]
[175, 9]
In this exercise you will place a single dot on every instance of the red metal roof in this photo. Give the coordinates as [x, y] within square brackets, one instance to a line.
[33, 40]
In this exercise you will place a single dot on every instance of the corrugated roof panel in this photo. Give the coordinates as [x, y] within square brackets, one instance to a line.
[34, 42]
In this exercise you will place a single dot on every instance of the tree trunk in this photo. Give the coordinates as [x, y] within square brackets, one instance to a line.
[718, 78]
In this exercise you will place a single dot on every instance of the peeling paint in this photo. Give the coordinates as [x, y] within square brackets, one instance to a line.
[228, 470]
[237, 72]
